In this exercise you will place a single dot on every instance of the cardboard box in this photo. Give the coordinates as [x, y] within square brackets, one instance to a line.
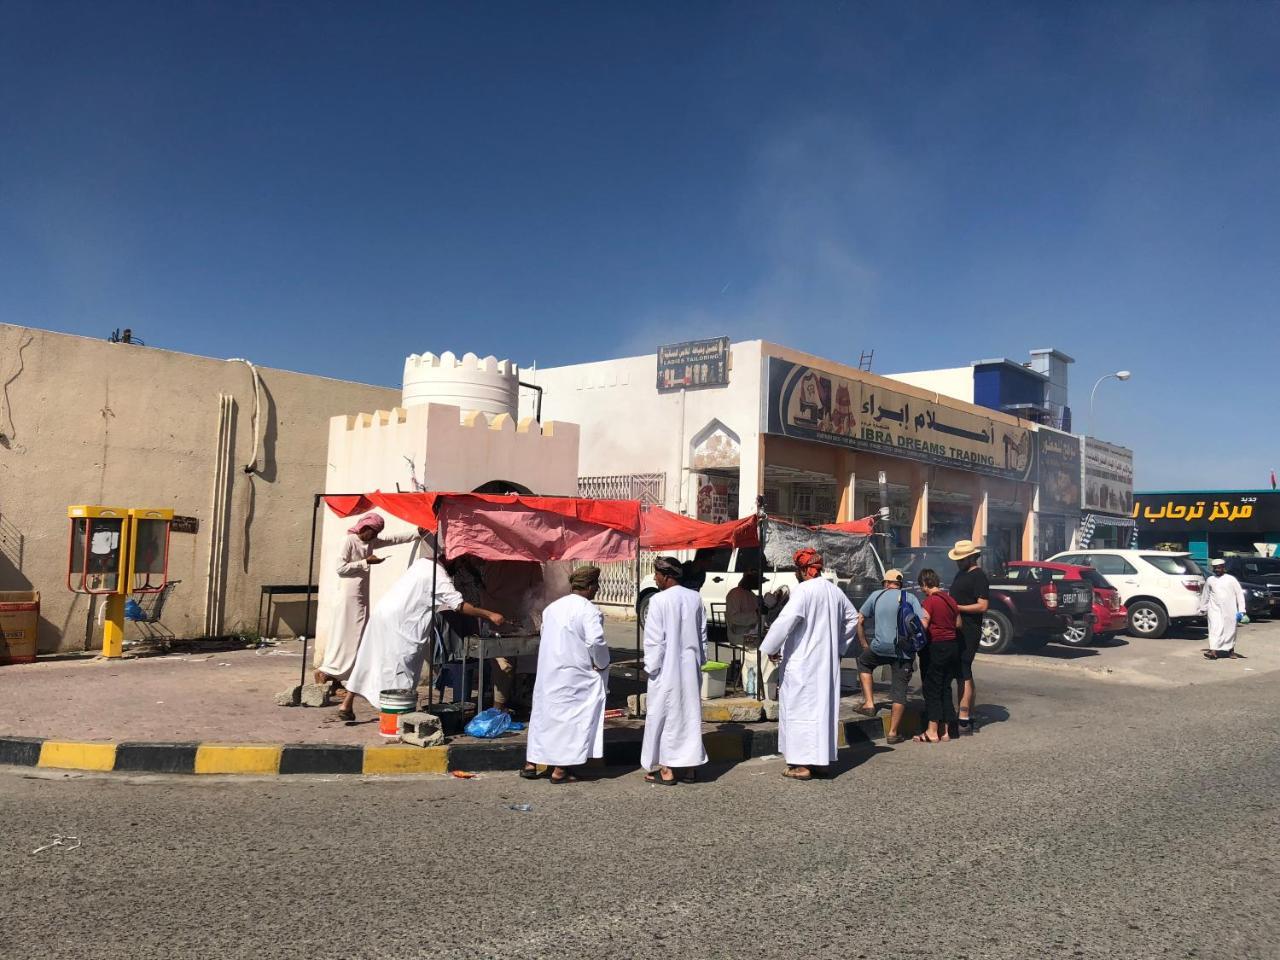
[19, 622]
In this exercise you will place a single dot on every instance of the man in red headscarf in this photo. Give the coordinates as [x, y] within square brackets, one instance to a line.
[809, 637]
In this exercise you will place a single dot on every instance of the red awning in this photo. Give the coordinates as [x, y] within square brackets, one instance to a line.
[865, 526]
[494, 527]
[663, 530]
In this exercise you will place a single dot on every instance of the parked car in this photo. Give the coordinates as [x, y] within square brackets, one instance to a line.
[1109, 615]
[721, 569]
[1158, 588]
[1260, 578]
[1021, 611]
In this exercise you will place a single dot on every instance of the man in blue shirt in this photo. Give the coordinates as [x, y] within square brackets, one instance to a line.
[882, 609]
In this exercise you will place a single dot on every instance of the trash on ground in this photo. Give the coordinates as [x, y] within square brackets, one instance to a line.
[520, 807]
[490, 724]
[462, 774]
[66, 843]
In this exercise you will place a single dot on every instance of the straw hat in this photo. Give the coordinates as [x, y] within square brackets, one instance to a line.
[963, 549]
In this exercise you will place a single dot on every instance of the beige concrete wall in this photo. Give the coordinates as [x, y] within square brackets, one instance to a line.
[956, 382]
[452, 451]
[87, 421]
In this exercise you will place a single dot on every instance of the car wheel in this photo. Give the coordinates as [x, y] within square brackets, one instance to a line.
[1147, 619]
[997, 633]
[642, 606]
[1079, 634]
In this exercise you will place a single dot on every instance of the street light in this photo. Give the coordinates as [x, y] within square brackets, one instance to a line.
[1118, 375]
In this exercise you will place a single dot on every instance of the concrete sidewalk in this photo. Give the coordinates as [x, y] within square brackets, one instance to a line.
[214, 712]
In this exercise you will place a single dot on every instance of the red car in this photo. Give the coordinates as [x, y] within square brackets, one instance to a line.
[1109, 615]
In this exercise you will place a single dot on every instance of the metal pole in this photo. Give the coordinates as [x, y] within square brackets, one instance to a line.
[639, 625]
[311, 569]
[760, 602]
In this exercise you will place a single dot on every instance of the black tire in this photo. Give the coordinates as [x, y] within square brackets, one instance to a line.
[997, 633]
[642, 606]
[1079, 634]
[1148, 619]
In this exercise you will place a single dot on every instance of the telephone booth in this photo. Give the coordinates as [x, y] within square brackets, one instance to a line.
[149, 550]
[99, 551]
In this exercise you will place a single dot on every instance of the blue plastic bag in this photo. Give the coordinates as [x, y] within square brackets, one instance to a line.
[492, 723]
[133, 610]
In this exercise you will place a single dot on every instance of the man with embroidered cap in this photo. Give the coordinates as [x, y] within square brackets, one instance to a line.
[811, 634]
[1222, 601]
[567, 725]
[675, 635]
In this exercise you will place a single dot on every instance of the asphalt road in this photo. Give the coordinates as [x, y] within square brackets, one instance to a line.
[1087, 818]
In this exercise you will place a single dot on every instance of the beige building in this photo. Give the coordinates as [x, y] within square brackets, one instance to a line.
[88, 421]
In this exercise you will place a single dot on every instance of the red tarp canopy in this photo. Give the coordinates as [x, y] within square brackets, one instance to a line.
[510, 527]
[663, 530]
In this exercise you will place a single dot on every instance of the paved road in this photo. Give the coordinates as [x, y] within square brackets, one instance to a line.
[1088, 819]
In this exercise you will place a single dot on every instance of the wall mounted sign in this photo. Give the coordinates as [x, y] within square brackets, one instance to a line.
[814, 405]
[1108, 477]
[693, 364]
[1059, 455]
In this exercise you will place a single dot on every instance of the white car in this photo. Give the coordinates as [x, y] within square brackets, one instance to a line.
[724, 568]
[1158, 588]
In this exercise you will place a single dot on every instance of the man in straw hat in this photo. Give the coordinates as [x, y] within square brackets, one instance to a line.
[970, 590]
[567, 725]
[675, 633]
[808, 639]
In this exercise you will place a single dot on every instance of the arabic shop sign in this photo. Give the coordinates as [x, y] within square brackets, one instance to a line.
[808, 403]
[693, 364]
[1108, 477]
[1214, 512]
[1059, 455]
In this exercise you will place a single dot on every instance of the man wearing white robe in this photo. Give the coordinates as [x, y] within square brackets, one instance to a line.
[355, 561]
[394, 647]
[567, 725]
[809, 637]
[675, 634]
[1222, 600]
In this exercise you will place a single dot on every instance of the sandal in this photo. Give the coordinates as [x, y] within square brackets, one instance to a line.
[567, 778]
[529, 773]
[656, 777]
[868, 711]
[895, 739]
[924, 738]
[791, 774]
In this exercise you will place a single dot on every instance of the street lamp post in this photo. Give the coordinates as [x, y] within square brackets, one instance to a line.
[1118, 375]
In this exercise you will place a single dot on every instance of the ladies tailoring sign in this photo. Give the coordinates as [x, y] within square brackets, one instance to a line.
[808, 403]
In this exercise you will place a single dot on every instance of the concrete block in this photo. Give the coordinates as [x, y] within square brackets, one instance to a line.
[735, 710]
[636, 704]
[770, 709]
[290, 697]
[315, 695]
[421, 729]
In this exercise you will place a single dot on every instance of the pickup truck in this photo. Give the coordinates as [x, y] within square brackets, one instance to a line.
[1022, 611]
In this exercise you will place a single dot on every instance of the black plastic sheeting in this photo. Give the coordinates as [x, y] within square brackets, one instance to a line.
[848, 555]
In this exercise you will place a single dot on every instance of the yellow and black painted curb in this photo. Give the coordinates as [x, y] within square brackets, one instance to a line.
[730, 743]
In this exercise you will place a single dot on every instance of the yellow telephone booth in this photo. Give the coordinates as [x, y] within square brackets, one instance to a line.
[115, 551]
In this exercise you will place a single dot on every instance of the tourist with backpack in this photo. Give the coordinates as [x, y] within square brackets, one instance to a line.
[898, 633]
[939, 660]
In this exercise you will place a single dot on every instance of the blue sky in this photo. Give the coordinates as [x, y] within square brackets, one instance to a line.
[329, 187]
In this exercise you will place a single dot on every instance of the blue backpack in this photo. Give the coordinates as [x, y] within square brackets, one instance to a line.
[911, 634]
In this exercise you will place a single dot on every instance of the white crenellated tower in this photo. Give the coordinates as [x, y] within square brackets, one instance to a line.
[489, 385]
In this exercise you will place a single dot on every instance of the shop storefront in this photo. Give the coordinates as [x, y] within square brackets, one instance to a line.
[1108, 496]
[1209, 523]
[1060, 495]
[944, 471]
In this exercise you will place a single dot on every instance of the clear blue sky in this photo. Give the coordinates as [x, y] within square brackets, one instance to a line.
[329, 187]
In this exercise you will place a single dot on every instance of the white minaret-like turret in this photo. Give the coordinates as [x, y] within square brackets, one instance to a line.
[489, 385]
